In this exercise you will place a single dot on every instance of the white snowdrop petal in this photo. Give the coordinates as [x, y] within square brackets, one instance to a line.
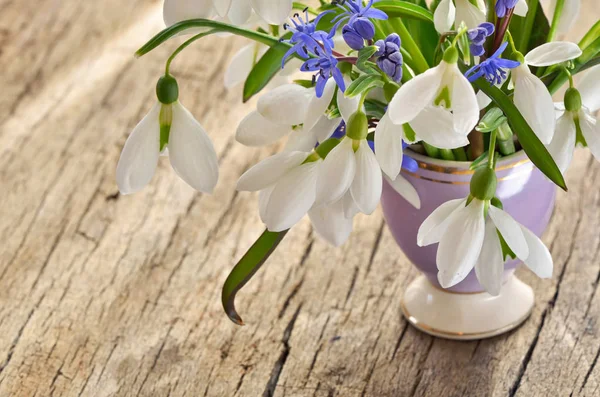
[414, 95]
[139, 158]
[286, 104]
[270, 170]
[535, 103]
[540, 259]
[330, 223]
[222, 7]
[405, 189]
[521, 8]
[318, 106]
[180, 10]
[589, 88]
[464, 104]
[255, 130]
[468, 13]
[461, 244]
[239, 12]
[347, 106]
[368, 182]
[510, 231]
[590, 129]
[242, 63]
[563, 143]
[552, 53]
[274, 12]
[301, 140]
[292, 197]
[388, 146]
[489, 268]
[337, 173]
[483, 100]
[432, 229]
[263, 201]
[350, 207]
[434, 125]
[191, 151]
[324, 128]
[444, 15]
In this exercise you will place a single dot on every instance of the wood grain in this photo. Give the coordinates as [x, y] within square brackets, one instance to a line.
[104, 295]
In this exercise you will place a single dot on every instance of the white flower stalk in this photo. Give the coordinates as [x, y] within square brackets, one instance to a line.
[447, 14]
[578, 114]
[171, 125]
[569, 15]
[273, 12]
[440, 105]
[531, 95]
[290, 110]
[468, 230]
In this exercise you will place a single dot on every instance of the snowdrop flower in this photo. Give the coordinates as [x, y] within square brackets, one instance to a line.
[531, 95]
[169, 125]
[440, 104]
[290, 110]
[446, 14]
[467, 232]
[569, 15]
[579, 109]
[331, 223]
[273, 12]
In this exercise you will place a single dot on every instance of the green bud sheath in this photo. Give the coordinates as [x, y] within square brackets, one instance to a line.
[324, 148]
[167, 90]
[451, 55]
[483, 184]
[389, 90]
[572, 100]
[497, 203]
[358, 126]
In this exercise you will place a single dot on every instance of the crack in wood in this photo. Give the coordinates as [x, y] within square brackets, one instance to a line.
[375, 246]
[590, 370]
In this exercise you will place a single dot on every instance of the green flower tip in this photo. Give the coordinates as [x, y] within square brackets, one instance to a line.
[167, 90]
[572, 100]
[358, 126]
[451, 55]
[483, 184]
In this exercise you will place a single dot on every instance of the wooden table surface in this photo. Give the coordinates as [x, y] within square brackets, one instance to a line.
[104, 295]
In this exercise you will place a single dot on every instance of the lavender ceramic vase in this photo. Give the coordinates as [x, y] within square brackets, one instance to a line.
[466, 311]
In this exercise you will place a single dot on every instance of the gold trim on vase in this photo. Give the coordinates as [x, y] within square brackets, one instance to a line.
[460, 171]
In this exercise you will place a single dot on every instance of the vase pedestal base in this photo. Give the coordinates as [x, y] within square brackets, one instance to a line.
[466, 316]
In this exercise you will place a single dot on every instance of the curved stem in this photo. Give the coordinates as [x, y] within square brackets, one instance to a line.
[183, 47]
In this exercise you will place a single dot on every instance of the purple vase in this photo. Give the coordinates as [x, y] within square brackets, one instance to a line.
[526, 193]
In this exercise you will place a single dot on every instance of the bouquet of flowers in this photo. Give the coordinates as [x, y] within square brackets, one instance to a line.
[463, 80]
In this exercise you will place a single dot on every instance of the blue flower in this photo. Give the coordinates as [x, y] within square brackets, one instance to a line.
[305, 36]
[502, 7]
[340, 132]
[359, 26]
[325, 64]
[477, 37]
[389, 56]
[492, 69]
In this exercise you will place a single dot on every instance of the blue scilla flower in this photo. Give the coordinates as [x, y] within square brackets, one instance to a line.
[477, 37]
[389, 56]
[502, 7]
[492, 69]
[358, 16]
[305, 36]
[340, 131]
[325, 64]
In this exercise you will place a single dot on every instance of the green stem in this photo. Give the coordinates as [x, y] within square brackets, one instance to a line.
[492, 150]
[590, 36]
[558, 10]
[183, 47]
[528, 26]
[460, 154]
[420, 63]
[447, 154]
[431, 151]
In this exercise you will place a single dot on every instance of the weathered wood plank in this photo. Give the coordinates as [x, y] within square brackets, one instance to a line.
[104, 295]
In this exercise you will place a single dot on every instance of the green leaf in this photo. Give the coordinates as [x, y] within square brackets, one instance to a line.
[532, 145]
[403, 9]
[479, 161]
[363, 56]
[264, 70]
[250, 263]
[364, 83]
[182, 26]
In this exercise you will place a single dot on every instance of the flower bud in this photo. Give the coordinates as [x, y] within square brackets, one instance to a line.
[352, 38]
[572, 100]
[167, 90]
[358, 126]
[483, 184]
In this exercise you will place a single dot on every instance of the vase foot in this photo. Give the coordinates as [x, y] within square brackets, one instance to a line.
[466, 316]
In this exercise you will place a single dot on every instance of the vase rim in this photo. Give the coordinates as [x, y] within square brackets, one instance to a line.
[463, 167]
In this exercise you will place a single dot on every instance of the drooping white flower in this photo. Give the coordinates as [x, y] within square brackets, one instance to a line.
[190, 150]
[331, 223]
[468, 239]
[569, 15]
[273, 12]
[440, 105]
[531, 95]
[288, 186]
[447, 14]
[581, 106]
